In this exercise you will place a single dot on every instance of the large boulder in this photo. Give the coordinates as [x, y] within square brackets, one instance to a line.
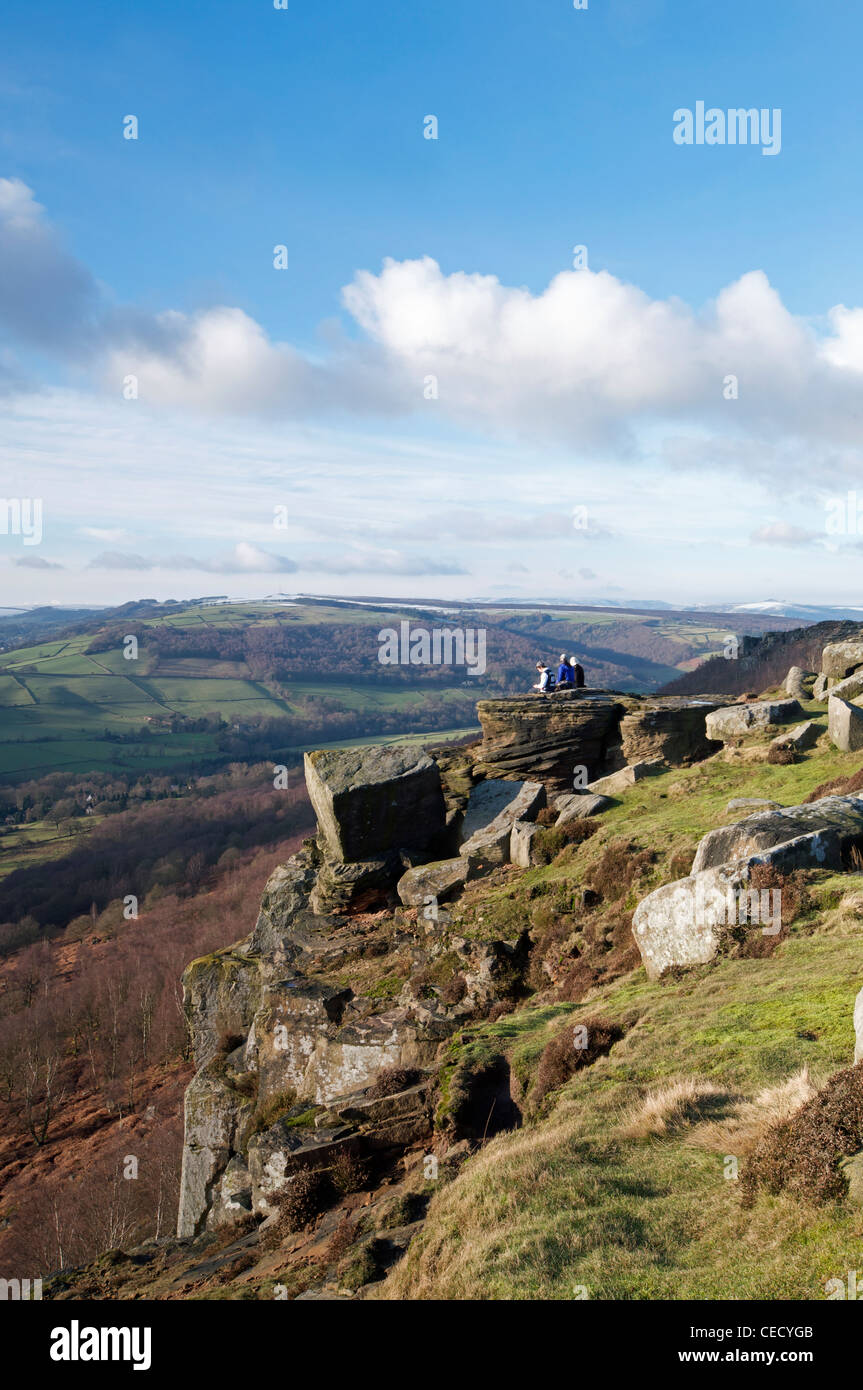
[577, 806]
[736, 721]
[844, 725]
[798, 683]
[436, 880]
[618, 782]
[547, 738]
[842, 815]
[374, 799]
[683, 923]
[839, 659]
[819, 689]
[492, 811]
[669, 728]
[858, 1027]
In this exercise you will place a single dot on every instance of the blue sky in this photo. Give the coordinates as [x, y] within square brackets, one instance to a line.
[262, 389]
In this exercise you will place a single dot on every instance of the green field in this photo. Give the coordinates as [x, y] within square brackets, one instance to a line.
[59, 705]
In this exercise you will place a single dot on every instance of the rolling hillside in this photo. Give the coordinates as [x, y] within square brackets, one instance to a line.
[216, 681]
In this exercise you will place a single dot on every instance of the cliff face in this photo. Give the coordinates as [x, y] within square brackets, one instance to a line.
[547, 737]
[350, 969]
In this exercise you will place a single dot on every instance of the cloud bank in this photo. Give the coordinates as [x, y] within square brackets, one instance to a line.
[589, 361]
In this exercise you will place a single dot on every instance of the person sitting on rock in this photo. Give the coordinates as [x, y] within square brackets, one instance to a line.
[565, 674]
[577, 676]
[544, 682]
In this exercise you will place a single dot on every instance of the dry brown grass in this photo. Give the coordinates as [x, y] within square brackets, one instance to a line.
[742, 1129]
[674, 1107]
[720, 1120]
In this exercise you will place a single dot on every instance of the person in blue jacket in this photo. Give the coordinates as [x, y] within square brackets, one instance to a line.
[565, 673]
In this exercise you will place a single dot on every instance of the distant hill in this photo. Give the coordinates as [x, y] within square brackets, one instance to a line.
[215, 681]
[763, 662]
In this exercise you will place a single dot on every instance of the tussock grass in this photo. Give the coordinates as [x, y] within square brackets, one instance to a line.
[673, 1107]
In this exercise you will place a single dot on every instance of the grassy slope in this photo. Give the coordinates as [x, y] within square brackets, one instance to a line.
[568, 1201]
[56, 701]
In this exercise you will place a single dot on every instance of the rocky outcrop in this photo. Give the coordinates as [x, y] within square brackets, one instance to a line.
[736, 721]
[844, 725]
[670, 729]
[683, 923]
[546, 738]
[291, 1025]
[375, 799]
[492, 811]
[841, 815]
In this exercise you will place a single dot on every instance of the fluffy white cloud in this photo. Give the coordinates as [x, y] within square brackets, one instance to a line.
[589, 361]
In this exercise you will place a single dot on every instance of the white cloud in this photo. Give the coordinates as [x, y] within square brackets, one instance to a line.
[244, 559]
[783, 533]
[589, 361]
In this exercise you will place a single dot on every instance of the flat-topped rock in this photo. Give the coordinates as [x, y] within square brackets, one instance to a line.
[841, 814]
[736, 721]
[546, 738]
[668, 727]
[496, 797]
[801, 736]
[839, 659]
[374, 799]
